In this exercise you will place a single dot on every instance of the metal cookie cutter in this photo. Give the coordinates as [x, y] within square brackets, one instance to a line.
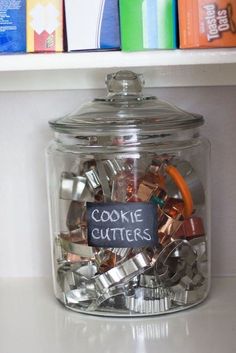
[122, 253]
[110, 257]
[82, 294]
[120, 289]
[200, 247]
[84, 291]
[183, 296]
[82, 250]
[113, 167]
[105, 260]
[74, 276]
[93, 180]
[78, 283]
[76, 215]
[149, 292]
[110, 293]
[170, 219]
[74, 187]
[124, 187]
[138, 303]
[148, 191]
[122, 273]
[148, 279]
[88, 164]
[191, 228]
[150, 285]
[103, 180]
[154, 175]
[187, 256]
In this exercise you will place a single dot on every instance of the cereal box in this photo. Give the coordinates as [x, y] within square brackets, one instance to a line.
[12, 26]
[148, 24]
[44, 25]
[207, 23]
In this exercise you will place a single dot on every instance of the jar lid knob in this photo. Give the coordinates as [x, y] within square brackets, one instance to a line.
[125, 82]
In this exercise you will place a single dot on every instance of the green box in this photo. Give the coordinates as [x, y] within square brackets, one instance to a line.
[148, 24]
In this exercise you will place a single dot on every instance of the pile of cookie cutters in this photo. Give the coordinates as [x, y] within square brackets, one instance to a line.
[143, 281]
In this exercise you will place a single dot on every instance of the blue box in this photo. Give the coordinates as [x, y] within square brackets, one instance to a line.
[12, 26]
[92, 24]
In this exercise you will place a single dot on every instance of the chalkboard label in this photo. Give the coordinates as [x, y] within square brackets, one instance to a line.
[122, 225]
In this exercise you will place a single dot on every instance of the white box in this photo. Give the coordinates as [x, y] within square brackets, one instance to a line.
[92, 24]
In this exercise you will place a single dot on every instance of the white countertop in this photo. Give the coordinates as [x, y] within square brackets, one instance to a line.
[32, 321]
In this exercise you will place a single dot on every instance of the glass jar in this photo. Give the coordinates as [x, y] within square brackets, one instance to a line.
[129, 204]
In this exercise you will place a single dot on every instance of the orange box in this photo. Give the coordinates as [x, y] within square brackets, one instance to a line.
[207, 23]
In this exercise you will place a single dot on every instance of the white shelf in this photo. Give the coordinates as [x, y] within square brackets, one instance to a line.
[87, 70]
[32, 320]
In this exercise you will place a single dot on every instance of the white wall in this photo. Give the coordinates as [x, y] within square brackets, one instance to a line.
[24, 234]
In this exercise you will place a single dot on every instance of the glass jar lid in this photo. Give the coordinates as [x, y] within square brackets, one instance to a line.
[126, 109]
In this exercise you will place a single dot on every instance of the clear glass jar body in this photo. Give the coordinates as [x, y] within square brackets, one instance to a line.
[120, 171]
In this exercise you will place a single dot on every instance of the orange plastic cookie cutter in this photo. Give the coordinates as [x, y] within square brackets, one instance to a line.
[183, 188]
